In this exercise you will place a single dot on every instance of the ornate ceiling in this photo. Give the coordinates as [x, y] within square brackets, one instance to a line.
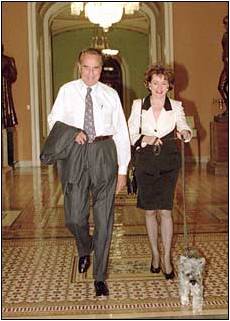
[64, 21]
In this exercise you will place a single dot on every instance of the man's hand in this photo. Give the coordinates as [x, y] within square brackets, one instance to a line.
[81, 138]
[121, 183]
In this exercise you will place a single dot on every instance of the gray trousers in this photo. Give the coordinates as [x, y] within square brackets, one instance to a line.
[99, 177]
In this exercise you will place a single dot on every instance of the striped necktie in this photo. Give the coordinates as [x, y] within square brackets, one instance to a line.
[89, 127]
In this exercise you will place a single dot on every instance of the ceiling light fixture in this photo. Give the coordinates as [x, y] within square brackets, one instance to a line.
[100, 42]
[104, 13]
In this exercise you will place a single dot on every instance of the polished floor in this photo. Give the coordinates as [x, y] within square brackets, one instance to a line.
[39, 274]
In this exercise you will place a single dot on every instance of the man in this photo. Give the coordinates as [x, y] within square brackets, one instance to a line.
[95, 109]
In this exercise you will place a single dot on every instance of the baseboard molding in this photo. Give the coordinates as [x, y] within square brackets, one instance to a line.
[25, 163]
[202, 161]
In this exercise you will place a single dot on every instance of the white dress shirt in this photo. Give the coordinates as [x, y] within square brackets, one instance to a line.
[109, 119]
[167, 121]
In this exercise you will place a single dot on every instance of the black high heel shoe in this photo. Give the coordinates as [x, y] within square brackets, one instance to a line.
[170, 276]
[154, 270]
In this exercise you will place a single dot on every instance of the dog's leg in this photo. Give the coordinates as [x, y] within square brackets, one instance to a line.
[183, 290]
[197, 298]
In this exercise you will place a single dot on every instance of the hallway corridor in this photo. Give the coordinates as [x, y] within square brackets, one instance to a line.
[39, 270]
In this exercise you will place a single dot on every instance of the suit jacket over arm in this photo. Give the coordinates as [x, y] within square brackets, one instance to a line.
[60, 147]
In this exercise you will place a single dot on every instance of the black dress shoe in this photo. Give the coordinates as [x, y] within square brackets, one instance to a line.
[155, 270]
[169, 276]
[84, 263]
[101, 288]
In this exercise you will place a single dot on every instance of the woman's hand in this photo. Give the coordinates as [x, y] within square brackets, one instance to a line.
[184, 134]
[151, 140]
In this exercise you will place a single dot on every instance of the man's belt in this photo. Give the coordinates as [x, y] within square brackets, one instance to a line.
[101, 138]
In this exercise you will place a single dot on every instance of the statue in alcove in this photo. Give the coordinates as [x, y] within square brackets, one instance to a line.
[9, 118]
[9, 76]
[223, 81]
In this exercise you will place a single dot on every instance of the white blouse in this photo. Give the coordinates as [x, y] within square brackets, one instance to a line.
[167, 121]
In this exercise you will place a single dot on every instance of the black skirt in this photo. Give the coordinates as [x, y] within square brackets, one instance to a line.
[157, 176]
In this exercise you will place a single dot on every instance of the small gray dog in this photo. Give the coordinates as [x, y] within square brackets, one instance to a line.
[191, 281]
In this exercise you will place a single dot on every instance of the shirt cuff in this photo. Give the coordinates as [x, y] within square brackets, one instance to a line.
[122, 170]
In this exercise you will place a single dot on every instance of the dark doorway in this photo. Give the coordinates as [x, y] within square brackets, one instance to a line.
[111, 75]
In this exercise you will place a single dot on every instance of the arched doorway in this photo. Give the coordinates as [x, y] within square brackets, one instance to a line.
[112, 75]
[160, 46]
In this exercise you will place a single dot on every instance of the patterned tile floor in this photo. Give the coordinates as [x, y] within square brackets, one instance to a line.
[39, 275]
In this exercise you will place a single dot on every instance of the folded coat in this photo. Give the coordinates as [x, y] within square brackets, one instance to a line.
[60, 147]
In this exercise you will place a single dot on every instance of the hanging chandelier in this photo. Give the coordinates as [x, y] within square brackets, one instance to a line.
[104, 13]
[100, 42]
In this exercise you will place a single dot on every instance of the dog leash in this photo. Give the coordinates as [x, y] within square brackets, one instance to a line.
[186, 241]
[157, 149]
[188, 252]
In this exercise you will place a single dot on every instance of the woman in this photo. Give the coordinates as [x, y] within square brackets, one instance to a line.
[152, 125]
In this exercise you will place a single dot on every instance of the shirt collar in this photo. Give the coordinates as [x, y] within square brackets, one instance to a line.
[84, 86]
[146, 103]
